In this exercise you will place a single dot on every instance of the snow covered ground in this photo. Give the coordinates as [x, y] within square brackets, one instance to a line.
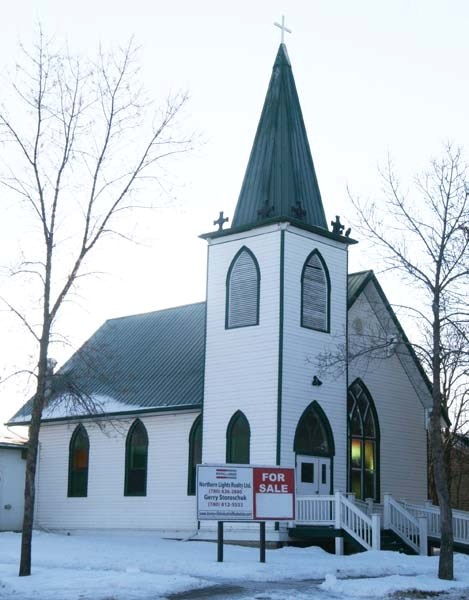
[141, 566]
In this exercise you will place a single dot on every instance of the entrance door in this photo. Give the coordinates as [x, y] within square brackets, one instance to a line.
[313, 475]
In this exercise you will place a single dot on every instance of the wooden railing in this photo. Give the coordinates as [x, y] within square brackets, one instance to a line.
[315, 510]
[432, 515]
[342, 513]
[413, 523]
[411, 528]
[366, 530]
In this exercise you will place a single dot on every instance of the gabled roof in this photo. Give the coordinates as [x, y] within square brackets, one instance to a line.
[148, 361]
[356, 283]
[280, 179]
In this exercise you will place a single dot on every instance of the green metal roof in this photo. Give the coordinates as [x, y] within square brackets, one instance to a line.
[153, 360]
[355, 284]
[280, 179]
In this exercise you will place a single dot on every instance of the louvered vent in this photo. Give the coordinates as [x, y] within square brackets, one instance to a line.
[315, 294]
[243, 291]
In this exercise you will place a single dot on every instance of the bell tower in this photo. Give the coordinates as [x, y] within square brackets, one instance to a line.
[276, 298]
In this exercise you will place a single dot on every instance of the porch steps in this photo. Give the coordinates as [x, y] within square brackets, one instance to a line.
[324, 536]
[391, 541]
[457, 546]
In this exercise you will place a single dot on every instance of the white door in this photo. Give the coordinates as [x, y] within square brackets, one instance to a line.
[313, 475]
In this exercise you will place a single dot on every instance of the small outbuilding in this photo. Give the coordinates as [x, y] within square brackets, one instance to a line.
[12, 472]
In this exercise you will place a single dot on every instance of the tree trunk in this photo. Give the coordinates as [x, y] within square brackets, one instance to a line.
[445, 565]
[31, 461]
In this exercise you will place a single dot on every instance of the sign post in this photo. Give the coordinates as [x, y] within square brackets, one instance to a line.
[245, 493]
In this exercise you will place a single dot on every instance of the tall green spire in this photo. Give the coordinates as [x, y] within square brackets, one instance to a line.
[280, 180]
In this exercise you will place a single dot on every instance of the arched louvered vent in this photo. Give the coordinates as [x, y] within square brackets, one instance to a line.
[242, 291]
[315, 292]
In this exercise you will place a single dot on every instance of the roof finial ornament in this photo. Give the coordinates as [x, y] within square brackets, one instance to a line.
[282, 27]
[337, 226]
[298, 211]
[265, 211]
[220, 221]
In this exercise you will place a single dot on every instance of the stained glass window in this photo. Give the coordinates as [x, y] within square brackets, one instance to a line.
[136, 458]
[195, 454]
[238, 440]
[78, 463]
[363, 442]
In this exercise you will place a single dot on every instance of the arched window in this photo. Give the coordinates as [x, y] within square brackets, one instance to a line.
[136, 458]
[78, 458]
[315, 293]
[363, 444]
[195, 454]
[238, 439]
[313, 434]
[242, 290]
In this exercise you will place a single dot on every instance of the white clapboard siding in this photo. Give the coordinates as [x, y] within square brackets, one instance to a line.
[166, 507]
[303, 347]
[242, 301]
[241, 363]
[403, 455]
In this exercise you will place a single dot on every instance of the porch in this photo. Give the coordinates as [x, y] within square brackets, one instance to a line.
[368, 523]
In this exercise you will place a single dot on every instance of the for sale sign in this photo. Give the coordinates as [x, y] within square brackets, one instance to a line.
[274, 493]
[245, 493]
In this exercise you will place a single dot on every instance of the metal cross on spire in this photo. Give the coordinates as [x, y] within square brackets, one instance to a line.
[282, 27]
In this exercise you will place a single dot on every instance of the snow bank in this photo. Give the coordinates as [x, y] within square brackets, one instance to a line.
[139, 565]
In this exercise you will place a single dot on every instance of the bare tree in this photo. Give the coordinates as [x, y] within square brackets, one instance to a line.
[78, 141]
[424, 236]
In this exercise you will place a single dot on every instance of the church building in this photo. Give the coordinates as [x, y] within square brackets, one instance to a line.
[291, 360]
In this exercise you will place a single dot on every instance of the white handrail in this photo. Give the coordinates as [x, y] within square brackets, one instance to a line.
[432, 513]
[341, 512]
[411, 528]
[364, 529]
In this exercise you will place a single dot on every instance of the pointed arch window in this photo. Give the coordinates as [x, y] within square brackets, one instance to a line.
[78, 463]
[238, 439]
[195, 454]
[315, 293]
[363, 446]
[136, 459]
[242, 290]
[313, 434]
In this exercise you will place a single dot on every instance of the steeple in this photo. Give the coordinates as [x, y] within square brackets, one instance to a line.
[280, 180]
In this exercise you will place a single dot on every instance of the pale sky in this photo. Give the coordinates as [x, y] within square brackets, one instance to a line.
[374, 77]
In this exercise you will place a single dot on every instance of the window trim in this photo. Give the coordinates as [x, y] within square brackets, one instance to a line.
[135, 424]
[228, 286]
[328, 291]
[229, 433]
[363, 438]
[78, 429]
[192, 469]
